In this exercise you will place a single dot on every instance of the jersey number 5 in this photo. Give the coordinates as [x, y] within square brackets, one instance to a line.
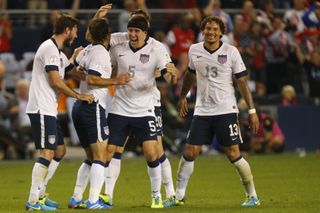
[131, 70]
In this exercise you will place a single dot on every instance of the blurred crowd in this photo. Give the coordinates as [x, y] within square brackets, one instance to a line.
[281, 52]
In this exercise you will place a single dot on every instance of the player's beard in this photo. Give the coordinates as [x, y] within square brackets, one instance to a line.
[68, 41]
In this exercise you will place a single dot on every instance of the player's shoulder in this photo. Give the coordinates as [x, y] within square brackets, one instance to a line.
[196, 47]
[155, 43]
[48, 46]
[228, 47]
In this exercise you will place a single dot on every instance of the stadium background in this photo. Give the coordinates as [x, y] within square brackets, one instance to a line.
[286, 182]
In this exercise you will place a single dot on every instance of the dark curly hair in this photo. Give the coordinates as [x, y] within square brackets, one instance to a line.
[215, 19]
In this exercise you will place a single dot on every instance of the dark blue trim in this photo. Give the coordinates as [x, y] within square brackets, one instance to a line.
[57, 159]
[241, 74]
[49, 68]
[69, 67]
[153, 164]
[187, 159]
[76, 63]
[164, 71]
[89, 163]
[237, 159]
[107, 164]
[43, 161]
[163, 158]
[117, 155]
[93, 72]
[98, 162]
[55, 43]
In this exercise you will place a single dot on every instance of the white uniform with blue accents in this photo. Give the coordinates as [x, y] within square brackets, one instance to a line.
[42, 97]
[215, 90]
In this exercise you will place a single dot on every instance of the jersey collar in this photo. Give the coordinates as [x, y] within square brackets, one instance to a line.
[137, 49]
[210, 51]
[55, 43]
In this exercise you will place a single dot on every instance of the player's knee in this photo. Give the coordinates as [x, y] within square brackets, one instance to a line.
[192, 152]
[60, 153]
[47, 154]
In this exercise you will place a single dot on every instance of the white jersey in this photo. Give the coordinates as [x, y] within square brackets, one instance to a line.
[42, 97]
[136, 99]
[215, 90]
[95, 60]
[117, 38]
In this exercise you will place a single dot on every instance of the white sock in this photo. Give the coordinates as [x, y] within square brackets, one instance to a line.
[244, 171]
[51, 170]
[82, 181]
[166, 175]
[96, 178]
[154, 172]
[185, 170]
[112, 176]
[39, 173]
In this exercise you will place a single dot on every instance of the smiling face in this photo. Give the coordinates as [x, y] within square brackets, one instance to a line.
[211, 32]
[136, 37]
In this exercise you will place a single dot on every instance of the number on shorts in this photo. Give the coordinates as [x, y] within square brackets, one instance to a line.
[159, 121]
[152, 126]
[234, 131]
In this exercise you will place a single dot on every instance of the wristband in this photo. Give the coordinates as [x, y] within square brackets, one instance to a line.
[252, 111]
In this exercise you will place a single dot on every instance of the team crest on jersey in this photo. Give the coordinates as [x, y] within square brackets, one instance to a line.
[144, 58]
[51, 139]
[222, 59]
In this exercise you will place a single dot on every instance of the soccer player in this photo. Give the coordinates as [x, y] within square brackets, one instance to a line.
[48, 72]
[133, 107]
[113, 170]
[213, 65]
[90, 119]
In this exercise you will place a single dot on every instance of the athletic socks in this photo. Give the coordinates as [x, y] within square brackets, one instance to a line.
[39, 172]
[185, 170]
[244, 171]
[96, 178]
[113, 173]
[154, 172]
[166, 175]
[82, 180]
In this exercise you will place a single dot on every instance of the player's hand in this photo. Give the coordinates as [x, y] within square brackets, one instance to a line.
[76, 53]
[123, 78]
[103, 11]
[182, 107]
[254, 122]
[157, 73]
[86, 97]
[173, 72]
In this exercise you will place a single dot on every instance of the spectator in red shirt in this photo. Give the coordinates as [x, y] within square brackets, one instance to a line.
[5, 33]
[288, 96]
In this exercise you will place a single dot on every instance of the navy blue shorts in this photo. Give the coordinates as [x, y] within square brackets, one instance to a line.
[225, 127]
[143, 128]
[158, 114]
[90, 123]
[46, 131]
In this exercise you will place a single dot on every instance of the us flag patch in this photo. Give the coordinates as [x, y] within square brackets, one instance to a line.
[222, 59]
[144, 58]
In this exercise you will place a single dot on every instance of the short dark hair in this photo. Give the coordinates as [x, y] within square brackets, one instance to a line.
[215, 19]
[99, 29]
[64, 22]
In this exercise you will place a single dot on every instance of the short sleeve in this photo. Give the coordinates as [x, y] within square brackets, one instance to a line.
[118, 38]
[51, 59]
[190, 65]
[100, 65]
[237, 62]
[162, 56]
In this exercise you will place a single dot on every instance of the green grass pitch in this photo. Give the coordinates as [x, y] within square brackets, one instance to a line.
[285, 183]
